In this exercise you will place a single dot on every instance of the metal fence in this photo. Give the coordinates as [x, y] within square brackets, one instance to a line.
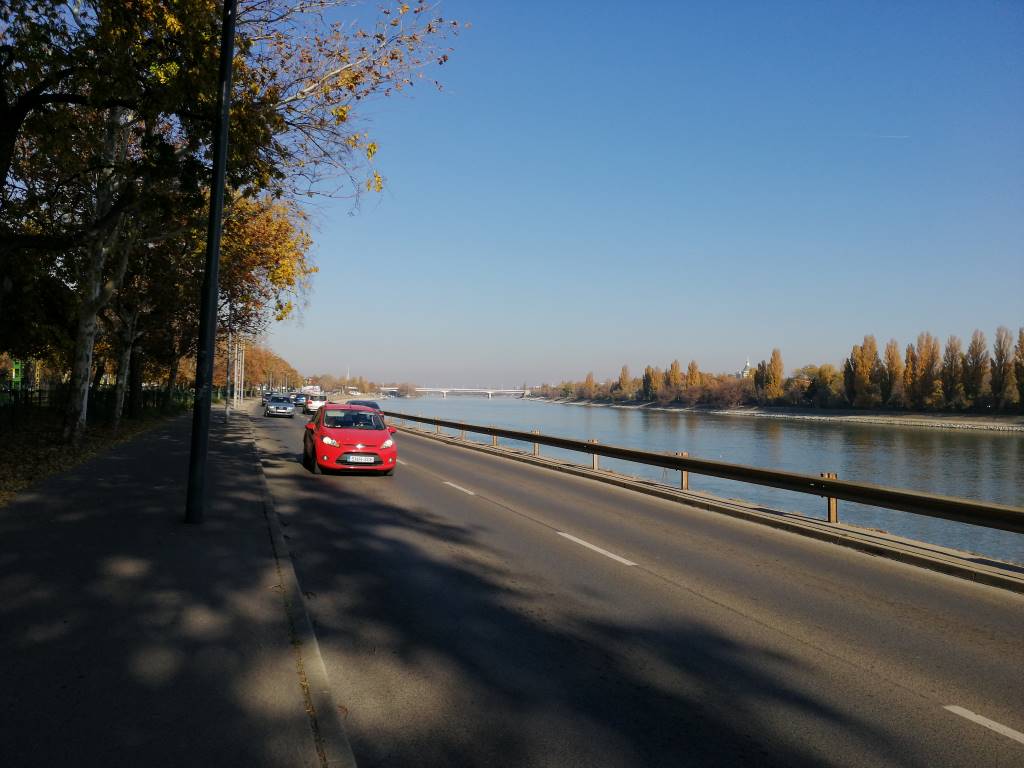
[21, 405]
[827, 485]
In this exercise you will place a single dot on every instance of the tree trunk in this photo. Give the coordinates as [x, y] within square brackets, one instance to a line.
[123, 366]
[97, 376]
[127, 335]
[94, 291]
[78, 388]
[135, 403]
[172, 380]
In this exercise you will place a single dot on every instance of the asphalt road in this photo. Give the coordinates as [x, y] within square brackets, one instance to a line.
[479, 611]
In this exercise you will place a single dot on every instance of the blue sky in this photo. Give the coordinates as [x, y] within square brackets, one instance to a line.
[604, 183]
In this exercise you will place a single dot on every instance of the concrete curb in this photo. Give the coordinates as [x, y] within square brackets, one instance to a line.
[331, 741]
[932, 557]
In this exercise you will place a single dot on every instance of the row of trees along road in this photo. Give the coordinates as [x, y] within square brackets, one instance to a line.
[106, 118]
[922, 376]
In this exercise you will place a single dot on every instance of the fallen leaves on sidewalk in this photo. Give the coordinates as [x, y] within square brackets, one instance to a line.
[32, 451]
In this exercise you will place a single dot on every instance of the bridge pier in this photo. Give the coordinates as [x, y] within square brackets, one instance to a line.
[489, 395]
[444, 394]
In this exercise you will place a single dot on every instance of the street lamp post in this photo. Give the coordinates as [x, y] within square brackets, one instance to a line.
[195, 502]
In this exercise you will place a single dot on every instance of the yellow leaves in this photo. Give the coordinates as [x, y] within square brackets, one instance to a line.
[371, 150]
[375, 183]
[164, 73]
[172, 24]
[403, 8]
[340, 113]
[352, 141]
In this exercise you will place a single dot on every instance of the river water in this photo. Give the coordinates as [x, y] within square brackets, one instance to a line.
[968, 463]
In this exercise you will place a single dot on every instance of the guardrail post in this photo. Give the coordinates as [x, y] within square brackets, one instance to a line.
[437, 429]
[684, 475]
[595, 459]
[462, 434]
[536, 446]
[494, 441]
[833, 502]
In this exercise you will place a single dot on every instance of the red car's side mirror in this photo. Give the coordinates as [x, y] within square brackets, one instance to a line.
[392, 430]
[310, 424]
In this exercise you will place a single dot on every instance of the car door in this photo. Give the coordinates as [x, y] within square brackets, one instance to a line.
[312, 434]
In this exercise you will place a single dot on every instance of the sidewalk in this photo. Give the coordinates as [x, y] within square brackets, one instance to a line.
[130, 638]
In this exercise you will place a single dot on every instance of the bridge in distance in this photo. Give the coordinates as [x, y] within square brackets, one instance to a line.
[445, 391]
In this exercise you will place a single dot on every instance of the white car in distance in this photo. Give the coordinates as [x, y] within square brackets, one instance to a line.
[313, 403]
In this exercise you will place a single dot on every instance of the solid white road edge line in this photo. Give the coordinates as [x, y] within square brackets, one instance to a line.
[403, 462]
[588, 545]
[460, 488]
[990, 724]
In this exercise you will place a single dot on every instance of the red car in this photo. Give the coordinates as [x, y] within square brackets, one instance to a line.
[347, 437]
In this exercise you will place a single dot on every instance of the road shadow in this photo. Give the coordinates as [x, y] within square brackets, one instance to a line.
[444, 653]
[129, 638]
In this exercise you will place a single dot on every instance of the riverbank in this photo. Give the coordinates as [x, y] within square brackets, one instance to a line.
[1009, 423]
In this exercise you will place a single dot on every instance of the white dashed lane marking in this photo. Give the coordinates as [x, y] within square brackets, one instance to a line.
[460, 488]
[992, 725]
[597, 549]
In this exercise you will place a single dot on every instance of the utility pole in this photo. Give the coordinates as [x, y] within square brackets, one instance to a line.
[195, 503]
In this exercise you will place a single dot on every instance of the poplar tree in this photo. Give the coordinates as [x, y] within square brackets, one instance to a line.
[776, 374]
[624, 385]
[953, 372]
[976, 368]
[862, 374]
[910, 377]
[589, 386]
[649, 384]
[1018, 365]
[929, 366]
[693, 374]
[674, 378]
[891, 380]
[1004, 380]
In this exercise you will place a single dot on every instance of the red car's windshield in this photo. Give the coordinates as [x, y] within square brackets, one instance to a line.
[353, 420]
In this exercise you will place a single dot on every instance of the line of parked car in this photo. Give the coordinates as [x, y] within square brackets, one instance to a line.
[339, 436]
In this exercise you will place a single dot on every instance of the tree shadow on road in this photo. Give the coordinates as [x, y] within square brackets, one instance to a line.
[444, 653]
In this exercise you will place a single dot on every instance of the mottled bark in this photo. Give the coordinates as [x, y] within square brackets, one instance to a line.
[96, 291]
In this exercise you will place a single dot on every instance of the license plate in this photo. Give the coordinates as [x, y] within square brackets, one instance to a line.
[361, 459]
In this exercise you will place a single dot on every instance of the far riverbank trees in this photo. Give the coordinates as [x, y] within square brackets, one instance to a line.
[925, 376]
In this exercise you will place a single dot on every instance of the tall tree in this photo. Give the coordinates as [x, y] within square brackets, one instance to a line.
[624, 385]
[976, 369]
[953, 373]
[693, 377]
[674, 378]
[891, 380]
[651, 379]
[776, 375]
[862, 374]
[1004, 380]
[1018, 365]
[589, 390]
[911, 378]
[929, 366]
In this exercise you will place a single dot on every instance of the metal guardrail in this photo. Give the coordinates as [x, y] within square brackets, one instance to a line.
[981, 513]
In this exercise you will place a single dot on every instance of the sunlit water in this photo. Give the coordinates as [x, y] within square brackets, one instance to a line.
[969, 463]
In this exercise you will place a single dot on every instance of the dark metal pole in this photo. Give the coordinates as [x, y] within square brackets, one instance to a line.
[196, 499]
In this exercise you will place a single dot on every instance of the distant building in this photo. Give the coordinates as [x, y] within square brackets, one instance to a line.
[747, 371]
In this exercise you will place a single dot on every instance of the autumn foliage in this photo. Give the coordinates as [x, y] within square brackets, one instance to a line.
[927, 377]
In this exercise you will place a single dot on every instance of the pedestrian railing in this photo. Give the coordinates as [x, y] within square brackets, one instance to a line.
[827, 485]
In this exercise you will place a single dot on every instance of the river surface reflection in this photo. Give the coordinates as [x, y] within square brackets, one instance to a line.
[969, 463]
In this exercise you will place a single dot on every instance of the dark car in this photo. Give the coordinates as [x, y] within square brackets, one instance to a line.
[366, 404]
[299, 399]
